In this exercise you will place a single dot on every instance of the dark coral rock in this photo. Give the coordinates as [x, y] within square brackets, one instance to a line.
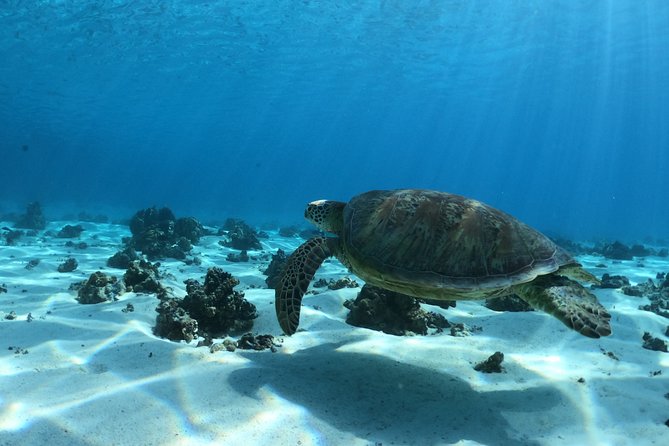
[344, 282]
[68, 265]
[647, 288]
[609, 281]
[227, 344]
[390, 312]
[659, 306]
[184, 244]
[69, 231]
[123, 259]
[240, 235]
[632, 290]
[3, 288]
[11, 236]
[620, 251]
[33, 218]
[152, 218]
[80, 245]
[32, 263]
[275, 269]
[652, 343]
[241, 257]
[143, 277]
[664, 252]
[289, 231]
[507, 303]
[190, 229]
[174, 323]
[157, 234]
[217, 307]
[260, 342]
[571, 246]
[98, 288]
[320, 283]
[658, 295]
[491, 365]
[460, 330]
[640, 251]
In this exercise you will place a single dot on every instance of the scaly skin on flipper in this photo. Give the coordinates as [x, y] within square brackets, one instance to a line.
[300, 269]
[569, 302]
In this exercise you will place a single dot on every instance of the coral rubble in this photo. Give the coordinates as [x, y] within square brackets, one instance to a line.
[98, 288]
[215, 306]
[391, 312]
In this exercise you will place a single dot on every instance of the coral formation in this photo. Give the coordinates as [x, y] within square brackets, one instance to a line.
[174, 323]
[215, 306]
[609, 281]
[239, 235]
[11, 236]
[243, 256]
[98, 288]
[344, 282]
[619, 251]
[69, 265]
[260, 342]
[275, 268]
[32, 263]
[391, 312]
[33, 218]
[653, 343]
[69, 231]
[158, 234]
[491, 365]
[123, 259]
[143, 277]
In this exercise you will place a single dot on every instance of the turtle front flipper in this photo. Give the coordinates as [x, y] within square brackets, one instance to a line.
[300, 269]
[568, 301]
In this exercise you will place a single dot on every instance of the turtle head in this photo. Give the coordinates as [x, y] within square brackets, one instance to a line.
[326, 215]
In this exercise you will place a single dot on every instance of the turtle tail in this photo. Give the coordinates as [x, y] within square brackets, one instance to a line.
[300, 269]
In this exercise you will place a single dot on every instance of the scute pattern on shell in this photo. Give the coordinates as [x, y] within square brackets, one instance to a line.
[443, 240]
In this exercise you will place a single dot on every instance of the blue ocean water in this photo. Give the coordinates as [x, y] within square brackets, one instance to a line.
[554, 111]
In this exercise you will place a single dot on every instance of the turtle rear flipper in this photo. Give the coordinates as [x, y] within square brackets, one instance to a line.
[568, 301]
[300, 269]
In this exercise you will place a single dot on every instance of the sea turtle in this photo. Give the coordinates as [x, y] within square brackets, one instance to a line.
[442, 246]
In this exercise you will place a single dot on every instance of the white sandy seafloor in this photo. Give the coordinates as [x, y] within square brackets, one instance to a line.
[95, 375]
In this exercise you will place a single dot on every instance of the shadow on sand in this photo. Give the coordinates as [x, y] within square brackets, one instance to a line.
[390, 402]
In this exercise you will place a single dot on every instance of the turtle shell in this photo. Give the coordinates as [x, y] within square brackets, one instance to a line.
[419, 241]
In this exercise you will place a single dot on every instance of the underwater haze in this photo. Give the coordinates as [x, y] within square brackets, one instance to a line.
[554, 111]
